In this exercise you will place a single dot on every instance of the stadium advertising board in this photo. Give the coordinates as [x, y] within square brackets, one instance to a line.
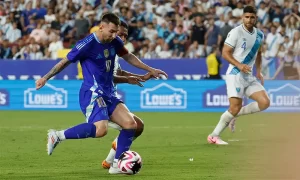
[183, 69]
[156, 95]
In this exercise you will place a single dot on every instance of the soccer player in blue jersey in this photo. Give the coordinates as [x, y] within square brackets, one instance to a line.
[97, 99]
[124, 77]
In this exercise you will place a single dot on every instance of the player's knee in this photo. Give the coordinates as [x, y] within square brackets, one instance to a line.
[101, 129]
[234, 109]
[129, 124]
[264, 103]
[101, 132]
[139, 126]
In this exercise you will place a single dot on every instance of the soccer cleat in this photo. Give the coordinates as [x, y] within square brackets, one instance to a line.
[114, 168]
[105, 164]
[232, 125]
[53, 141]
[216, 140]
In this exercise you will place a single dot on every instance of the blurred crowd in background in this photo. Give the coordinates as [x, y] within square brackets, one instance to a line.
[39, 29]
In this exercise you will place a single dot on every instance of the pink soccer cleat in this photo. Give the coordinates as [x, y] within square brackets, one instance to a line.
[216, 140]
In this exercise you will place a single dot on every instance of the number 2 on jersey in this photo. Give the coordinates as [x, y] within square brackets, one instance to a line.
[244, 45]
[108, 64]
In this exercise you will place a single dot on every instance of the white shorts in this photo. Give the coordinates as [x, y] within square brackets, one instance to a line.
[240, 86]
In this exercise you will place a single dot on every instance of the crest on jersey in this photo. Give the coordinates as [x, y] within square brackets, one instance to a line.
[106, 53]
[244, 39]
[112, 51]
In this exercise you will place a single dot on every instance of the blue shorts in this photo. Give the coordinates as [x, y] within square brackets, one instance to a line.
[96, 107]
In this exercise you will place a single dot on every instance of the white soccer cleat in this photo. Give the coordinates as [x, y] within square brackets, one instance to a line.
[216, 140]
[114, 169]
[53, 141]
[232, 125]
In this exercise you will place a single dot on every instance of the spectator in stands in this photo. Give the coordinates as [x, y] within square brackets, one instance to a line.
[50, 16]
[38, 33]
[273, 41]
[81, 25]
[35, 54]
[15, 53]
[212, 35]
[197, 34]
[14, 34]
[5, 50]
[290, 66]
[213, 63]
[54, 47]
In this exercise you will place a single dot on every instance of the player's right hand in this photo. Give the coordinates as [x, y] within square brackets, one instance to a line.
[244, 68]
[156, 73]
[40, 83]
[135, 80]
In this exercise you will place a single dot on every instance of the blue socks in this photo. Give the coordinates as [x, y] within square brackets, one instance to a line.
[81, 131]
[124, 141]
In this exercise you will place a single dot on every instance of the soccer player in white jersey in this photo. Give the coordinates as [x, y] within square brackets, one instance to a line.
[242, 51]
[124, 77]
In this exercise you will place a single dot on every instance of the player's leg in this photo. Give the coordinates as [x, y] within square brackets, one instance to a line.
[122, 116]
[112, 152]
[256, 92]
[111, 155]
[235, 92]
[95, 126]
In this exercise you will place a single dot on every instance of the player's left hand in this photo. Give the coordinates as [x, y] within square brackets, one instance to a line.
[157, 72]
[135, 80]
[260, 77]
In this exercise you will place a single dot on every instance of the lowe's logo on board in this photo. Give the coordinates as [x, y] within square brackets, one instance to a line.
[285, 97]
[163, 96]
[47, 97]
[217, 98]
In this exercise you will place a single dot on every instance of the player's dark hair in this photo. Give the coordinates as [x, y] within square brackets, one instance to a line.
[124, 24]
[110, 18]
[250, 9]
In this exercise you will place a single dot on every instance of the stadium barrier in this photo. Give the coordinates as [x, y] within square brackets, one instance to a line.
[177, 69]
[156, 95]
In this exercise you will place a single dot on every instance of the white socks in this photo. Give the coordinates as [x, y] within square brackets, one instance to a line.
[111, 155]
[223, 123]
[227, 117]
[249, 109]
[61, 134]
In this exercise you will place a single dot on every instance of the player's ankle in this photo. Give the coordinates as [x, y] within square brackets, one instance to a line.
[61, 135]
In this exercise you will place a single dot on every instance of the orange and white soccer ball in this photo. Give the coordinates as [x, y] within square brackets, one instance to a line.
[130, 162]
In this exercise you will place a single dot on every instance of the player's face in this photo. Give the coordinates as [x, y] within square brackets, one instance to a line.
[249, 20]
[123, 33]
[109, 31]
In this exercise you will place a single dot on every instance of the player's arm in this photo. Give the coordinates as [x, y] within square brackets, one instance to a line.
[227, 55]
[228, 49]
[73, 56]
[258, 61]
[133, 60]
[61, 65]
[122, 72]
[128, 79]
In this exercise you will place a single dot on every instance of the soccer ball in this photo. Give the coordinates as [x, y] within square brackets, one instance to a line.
[130, 162]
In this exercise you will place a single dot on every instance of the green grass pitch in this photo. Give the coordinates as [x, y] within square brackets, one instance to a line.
[167, 144]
